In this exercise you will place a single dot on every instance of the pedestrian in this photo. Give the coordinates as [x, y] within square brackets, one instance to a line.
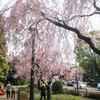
[43, 92]
[13, 93]
[1, 90]
[8, 86]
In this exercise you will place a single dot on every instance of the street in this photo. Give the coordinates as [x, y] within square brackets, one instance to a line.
[89, 89]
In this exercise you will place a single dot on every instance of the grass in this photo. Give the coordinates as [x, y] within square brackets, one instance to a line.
[54, 97]
[63, 97]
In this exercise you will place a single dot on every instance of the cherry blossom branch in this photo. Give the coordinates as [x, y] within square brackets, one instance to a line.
[95, 12]
[30, 27]
[55, 74]
[43, 73]
[43, 53]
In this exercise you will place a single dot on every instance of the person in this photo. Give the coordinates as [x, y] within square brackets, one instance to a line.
[13, 93]
[8, 86]
[43, 92]
[2, 90]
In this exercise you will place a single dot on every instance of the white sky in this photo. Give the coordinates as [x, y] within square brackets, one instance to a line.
[95, 22]
[4, 2]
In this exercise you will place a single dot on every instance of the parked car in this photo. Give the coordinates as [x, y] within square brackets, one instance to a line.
[98, 86]
[80, 85]
[94, 84]
[70, 83]
[63, 82]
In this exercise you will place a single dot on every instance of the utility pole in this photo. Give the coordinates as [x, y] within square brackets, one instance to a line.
[33, 31]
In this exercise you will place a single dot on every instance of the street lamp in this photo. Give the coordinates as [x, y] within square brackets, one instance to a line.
[34, 32]
[75, 42]
[93, 68]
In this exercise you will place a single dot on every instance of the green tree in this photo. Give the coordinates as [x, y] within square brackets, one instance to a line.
[3, 54]
[89, 60]
[12, 72]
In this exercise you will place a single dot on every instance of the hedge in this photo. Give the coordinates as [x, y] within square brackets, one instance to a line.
[22, 94]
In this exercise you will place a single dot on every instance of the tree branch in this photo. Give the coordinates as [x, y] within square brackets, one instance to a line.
[95, 6]
[96, 12]
[86, 39]
[43, 54]
[37, 65]
[55, 74]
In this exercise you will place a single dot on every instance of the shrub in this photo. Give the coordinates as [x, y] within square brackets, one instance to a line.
[57, 87]
[22, 94]
[73, 92]
[94, 95]
[36, 90]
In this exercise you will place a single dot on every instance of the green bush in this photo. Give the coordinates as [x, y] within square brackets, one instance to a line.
[57, 87]
[19, 83]
[1, 83]
[25, 82]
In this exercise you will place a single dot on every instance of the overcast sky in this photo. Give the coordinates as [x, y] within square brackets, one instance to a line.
[4, 1]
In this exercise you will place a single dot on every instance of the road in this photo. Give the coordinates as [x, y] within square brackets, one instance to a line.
[89, 89]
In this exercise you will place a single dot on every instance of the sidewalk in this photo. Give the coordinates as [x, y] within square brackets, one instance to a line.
[3, 97]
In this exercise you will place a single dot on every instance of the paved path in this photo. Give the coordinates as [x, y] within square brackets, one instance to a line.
[3, 97]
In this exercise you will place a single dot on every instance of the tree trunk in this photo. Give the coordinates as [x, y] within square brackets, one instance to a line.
[48, 91]
[39, 85]
[32, 85]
